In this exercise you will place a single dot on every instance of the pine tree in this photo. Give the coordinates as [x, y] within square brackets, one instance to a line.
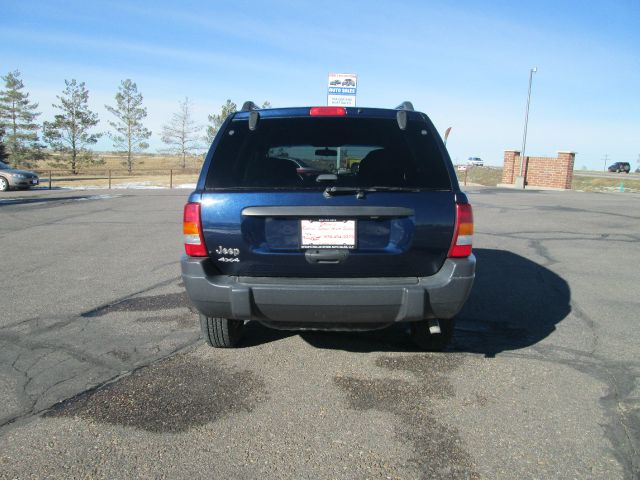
[216, 121]
[131, 134]
[181, 133]
[69, 132]
[3, 152]
[18, 119]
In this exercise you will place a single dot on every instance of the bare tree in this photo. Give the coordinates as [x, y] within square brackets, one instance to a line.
[131, 134]
[182, 132]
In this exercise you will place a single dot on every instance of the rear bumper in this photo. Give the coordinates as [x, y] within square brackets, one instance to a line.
[24, 182]
[333, 303]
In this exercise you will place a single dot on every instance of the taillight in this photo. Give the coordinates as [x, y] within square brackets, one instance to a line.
[328, 111]
[463, 233]
[194, 244]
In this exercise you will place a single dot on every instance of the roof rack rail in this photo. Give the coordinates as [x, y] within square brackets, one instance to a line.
[249, 106]
[405, 106]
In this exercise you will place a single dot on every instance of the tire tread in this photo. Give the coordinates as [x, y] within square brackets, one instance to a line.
[221, 332]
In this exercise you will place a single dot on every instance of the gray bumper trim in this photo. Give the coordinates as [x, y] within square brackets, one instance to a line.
[329, 300]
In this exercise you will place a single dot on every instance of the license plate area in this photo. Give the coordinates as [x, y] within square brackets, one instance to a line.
[328, 233]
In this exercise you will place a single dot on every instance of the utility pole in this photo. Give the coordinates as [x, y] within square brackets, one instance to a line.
[606, 160]
[520, 179]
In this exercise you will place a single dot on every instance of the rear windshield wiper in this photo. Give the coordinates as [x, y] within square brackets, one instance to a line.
[362, 191]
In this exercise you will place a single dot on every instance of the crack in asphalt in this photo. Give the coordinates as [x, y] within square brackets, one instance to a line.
[73, 352]
[30, 361]
[113, 304]
[549, 208]
[543, 252]
[91, 388]
[144, 303]
[568, 236]
[620, 380]
[57, 220]
[618, 377]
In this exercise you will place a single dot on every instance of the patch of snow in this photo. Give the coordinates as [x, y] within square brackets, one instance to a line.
[97, 197]
[137, 185]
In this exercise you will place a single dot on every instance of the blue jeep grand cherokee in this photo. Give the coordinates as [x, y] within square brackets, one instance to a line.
[328, 218]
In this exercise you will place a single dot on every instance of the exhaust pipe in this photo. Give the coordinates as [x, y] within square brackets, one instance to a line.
[434, 326]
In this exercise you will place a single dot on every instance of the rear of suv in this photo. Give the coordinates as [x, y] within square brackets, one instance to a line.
[334, 247]
[620, 167]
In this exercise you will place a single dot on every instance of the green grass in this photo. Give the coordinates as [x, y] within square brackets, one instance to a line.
[116, 161]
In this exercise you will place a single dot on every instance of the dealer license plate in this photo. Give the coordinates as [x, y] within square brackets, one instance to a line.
[328, 233]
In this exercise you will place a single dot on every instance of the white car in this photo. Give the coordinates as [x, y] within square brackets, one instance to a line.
[476, 161]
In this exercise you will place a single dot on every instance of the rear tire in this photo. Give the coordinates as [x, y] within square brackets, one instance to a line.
[4, 184]
[432, 342]
[221, 332]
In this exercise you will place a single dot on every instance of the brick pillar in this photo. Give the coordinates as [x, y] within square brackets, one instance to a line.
[511, 166]
[567, 161]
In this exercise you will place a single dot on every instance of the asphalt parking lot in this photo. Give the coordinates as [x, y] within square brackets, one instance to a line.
[103, 374]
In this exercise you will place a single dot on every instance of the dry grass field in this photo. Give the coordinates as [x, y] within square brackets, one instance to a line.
[599, 184]
[149, 171]
[487, 176]
[492, 176]
[150, 161]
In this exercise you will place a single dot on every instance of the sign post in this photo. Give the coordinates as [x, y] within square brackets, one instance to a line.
[341, 89]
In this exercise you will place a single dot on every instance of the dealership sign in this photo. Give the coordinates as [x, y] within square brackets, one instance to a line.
[341, 89]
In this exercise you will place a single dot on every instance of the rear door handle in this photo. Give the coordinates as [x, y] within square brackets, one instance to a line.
[328, 255]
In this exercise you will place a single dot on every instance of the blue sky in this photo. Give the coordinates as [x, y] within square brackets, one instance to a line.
[465, 64]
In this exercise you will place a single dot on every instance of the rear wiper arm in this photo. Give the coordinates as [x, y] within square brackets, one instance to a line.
[331, 191]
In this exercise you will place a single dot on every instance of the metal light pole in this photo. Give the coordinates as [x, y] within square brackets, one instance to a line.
[520, 179]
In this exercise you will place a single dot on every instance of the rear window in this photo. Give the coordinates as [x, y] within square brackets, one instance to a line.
[313, 152]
